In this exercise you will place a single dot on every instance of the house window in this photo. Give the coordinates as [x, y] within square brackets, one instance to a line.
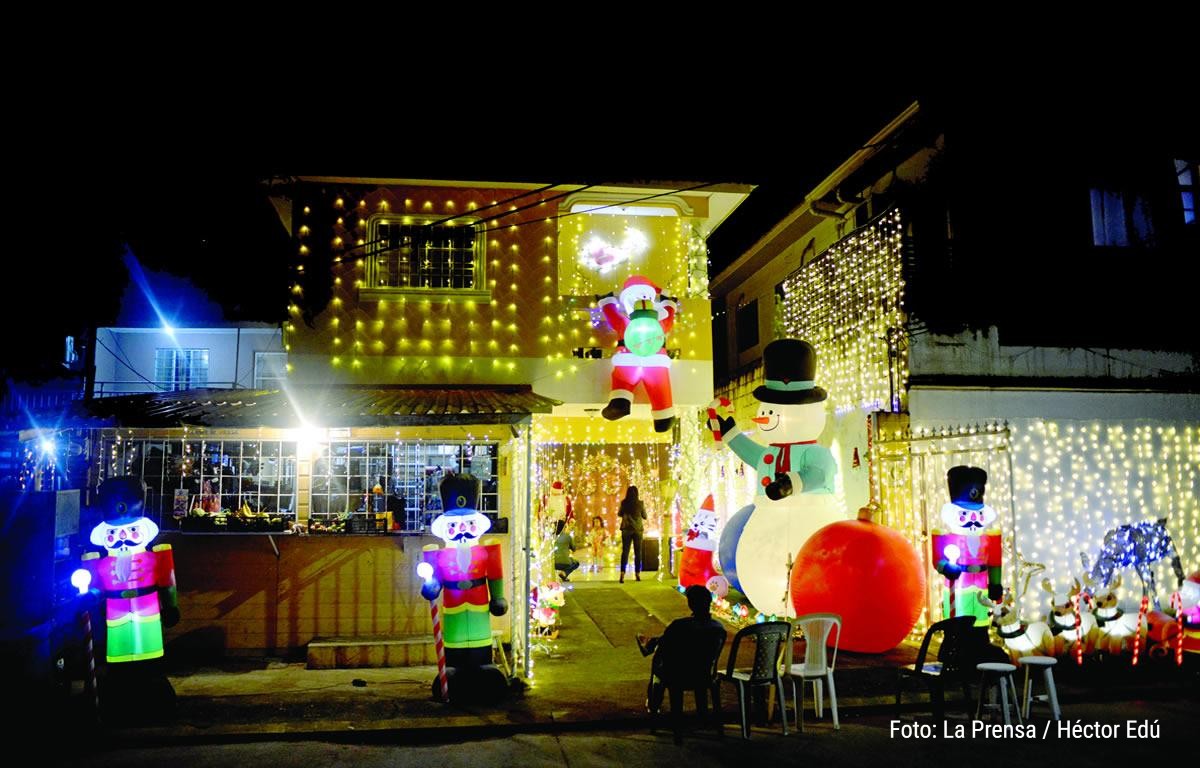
[747, 326]
[1185, 172]
[270, 370]
[216, 475]
[410, 254]
[176, 369]
[346, 473]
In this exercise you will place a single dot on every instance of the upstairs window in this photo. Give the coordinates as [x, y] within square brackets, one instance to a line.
[270, 370]
[1185, 173]
[746, 321]
[419, 255]
[176, 369]
[1120, 217]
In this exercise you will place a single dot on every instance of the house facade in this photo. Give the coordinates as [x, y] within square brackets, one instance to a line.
[432, 327]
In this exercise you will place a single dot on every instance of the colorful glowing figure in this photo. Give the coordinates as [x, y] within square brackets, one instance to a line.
[641, 357]
[796, 478]
[468, 574]
[138, 585]
[699, 547]
[967, 548]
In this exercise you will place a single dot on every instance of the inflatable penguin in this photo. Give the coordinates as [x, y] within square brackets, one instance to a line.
[795, 478]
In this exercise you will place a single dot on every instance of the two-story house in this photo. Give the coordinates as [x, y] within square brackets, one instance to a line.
[432, 327]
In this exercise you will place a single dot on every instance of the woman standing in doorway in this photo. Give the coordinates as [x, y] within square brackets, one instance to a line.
[632, 512]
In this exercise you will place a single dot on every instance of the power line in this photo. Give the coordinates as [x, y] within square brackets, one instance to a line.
[125, 363]
[540, 220]
[498, 204]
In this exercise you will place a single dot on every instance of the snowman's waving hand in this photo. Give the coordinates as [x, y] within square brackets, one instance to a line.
[718, 408]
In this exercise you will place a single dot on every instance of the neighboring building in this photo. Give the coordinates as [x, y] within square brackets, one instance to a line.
[434, 326]
[981, 297]
[139, 360]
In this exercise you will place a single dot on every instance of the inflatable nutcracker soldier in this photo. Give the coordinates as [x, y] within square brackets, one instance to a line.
[469, 576]
[641, 356]
[137, 585]
[967, 548]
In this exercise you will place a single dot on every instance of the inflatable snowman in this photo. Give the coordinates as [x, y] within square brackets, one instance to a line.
[696, 562]
[795, 478]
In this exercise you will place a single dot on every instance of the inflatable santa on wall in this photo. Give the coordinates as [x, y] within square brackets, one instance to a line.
[642, 318]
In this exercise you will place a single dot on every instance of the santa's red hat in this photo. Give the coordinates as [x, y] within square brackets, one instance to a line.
[707, 506]
[636, 280]
[634, 286]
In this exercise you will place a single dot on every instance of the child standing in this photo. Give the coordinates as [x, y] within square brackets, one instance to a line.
[597, 536]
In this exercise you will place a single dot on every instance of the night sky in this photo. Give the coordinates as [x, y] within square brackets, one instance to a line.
[180, 185]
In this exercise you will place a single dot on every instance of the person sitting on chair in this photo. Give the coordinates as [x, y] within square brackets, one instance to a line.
[564, 545]
[683, 657]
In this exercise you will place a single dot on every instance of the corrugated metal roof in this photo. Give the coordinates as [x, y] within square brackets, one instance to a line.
[332, 407]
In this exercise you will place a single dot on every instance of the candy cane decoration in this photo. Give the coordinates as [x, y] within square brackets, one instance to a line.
[441, 649]
[85, 618]
[425, 571]
[1137, 635]
[1078, 646]
[1177, 605]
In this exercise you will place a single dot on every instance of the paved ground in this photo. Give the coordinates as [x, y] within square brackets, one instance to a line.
[585, 706]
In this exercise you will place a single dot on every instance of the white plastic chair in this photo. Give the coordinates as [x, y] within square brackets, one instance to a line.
[817, 667]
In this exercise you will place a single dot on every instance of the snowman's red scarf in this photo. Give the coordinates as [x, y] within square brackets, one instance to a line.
[785, 455]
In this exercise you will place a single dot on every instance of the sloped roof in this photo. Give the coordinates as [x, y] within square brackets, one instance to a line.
[331, 407]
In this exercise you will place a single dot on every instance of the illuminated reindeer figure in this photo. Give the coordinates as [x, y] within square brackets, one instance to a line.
[1020, 638]
[1072, 625]
[1115, 629]
[1138, 546]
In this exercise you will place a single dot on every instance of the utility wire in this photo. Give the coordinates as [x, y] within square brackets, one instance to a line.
[542, 219]
[497, 204]
[430, 225]
[125, 363]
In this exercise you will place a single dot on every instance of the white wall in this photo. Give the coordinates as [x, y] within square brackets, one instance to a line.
[137, 347]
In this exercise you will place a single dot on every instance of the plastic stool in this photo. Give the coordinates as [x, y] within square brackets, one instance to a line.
[1001, 675]
[1046, 664]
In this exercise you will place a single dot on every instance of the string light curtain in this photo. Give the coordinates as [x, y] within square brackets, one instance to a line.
[849, 304]
[1077, 480]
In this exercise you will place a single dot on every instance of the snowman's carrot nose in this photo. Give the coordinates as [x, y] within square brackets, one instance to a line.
[761, 420]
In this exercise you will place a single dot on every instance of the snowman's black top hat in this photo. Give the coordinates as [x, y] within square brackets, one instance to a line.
[789, 366]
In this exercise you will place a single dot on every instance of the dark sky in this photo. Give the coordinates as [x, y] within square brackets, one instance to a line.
[178, 180]
[181, 187]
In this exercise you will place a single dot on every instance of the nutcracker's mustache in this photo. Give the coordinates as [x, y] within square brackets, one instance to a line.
[462, 536]
[972, 524]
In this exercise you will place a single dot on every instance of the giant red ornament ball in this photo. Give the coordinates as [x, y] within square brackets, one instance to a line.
[866, 572]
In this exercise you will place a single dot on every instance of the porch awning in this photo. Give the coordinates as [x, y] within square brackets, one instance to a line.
[329, 407]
